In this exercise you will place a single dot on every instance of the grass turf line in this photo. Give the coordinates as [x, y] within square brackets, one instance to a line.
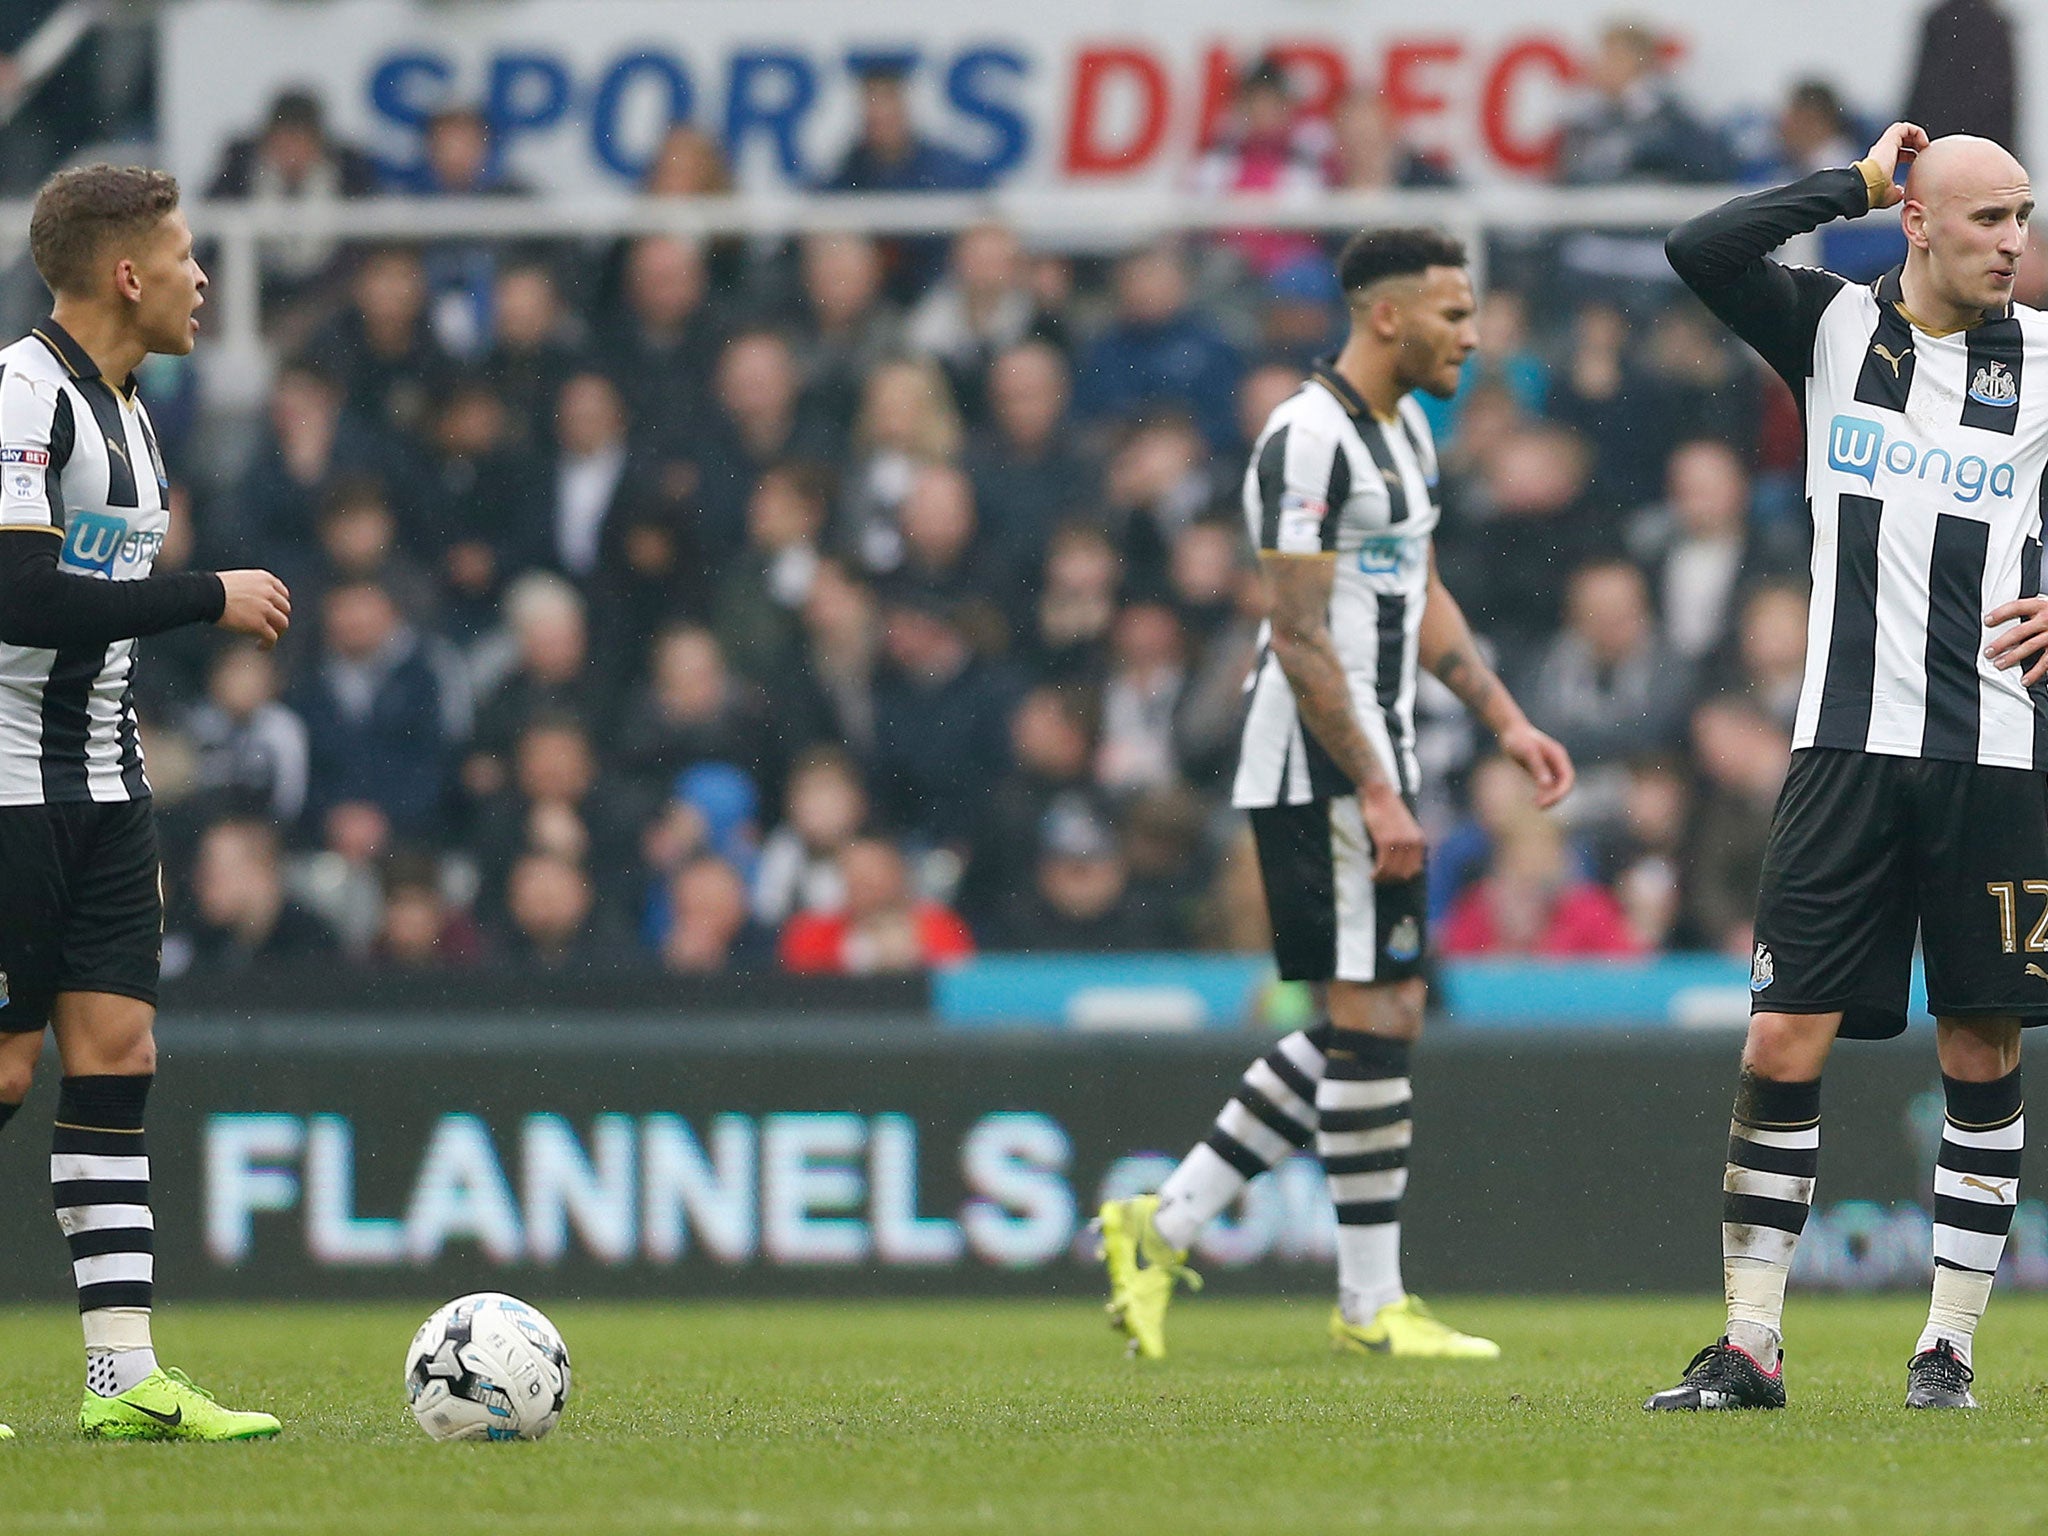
[1022, 1418]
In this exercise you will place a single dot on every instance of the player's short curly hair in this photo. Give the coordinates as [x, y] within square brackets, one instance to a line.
[79, 212]
[1381, 253]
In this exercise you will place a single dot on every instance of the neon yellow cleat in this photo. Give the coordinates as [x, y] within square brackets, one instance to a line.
[169, 1405]
[1407, 1327]
[1142, 1273]
[6, 1433]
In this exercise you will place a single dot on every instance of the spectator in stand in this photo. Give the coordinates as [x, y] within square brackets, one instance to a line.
[534, 347]
[942, 553]
[1530, 903]
[2030, 280]
[842, 651]
[478, 511]
[1505, 358]
[462, 158]
[558, 802]
[1642, 860]
[1607, 686]
[1168, 849]
[661, 348]
[543, 666]
[421, 928]
[693, 710]
[1267, 147]
[1148, 672]
[1699, 384]
[382, 351]
[1160, 479]
[1699, 543]
[1602, 394]
[1300, 312]
[1158, 349]
[1367, 153]
[1027, 470]
[907, 421]
[359, 542]
[888, 154]
[1771, 650]
[979, 310]
[1630, 125]
[757, 610]
[306, 443]
[1532, 524]
[591, 465]
[710, 930]
[941, 723]
[1052, 752]
[1221, 604]
[1500, 797]
[847, 327]
[884, 926]
[1080, 897]
[252, 754]
[242, 916]
[294, 159]
[758, 421]
[553, 921]
[1076, 603]
[383, 712]
[1741, 755]
[824, 808]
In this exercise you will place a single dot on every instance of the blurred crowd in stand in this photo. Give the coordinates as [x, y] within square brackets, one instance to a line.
[849, 605]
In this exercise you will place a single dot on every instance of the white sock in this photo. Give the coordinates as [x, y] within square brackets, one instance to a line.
[1368, 1270]
[1194, 1194]
[118, 1349]
[1960, 1296]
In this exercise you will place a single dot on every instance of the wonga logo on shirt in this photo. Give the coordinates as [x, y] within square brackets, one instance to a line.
[1857, 446]
[93, 541]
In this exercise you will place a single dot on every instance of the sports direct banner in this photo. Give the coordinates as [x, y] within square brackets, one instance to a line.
[413, 1157]
[1056, 93]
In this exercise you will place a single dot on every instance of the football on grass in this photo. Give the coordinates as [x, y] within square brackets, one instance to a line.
[487, 1367]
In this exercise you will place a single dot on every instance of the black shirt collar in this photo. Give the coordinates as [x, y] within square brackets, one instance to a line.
[1325, 373]
[68, 352]
[1891, 289]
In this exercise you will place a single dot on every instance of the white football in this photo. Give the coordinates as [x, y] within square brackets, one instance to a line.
[487, 1367]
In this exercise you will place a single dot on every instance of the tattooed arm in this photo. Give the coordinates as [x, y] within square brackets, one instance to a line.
[1448, 649]
[1300, 586]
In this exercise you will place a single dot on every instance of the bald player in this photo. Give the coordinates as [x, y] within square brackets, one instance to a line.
[1915, 804]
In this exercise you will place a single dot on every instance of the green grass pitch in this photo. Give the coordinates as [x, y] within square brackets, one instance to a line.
[1023, 1418]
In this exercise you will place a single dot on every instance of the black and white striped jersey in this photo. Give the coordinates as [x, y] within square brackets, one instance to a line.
[79, 459]
[1327, 476]
[1924, 459]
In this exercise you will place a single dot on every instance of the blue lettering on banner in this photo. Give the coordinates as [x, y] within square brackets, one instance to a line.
[756, 103]
[526, 93]
[1857, 446]
[615, 90]
[1007, 129]
[407, 89]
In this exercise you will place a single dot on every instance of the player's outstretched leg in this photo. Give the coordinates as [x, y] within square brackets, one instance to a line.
[1767, 1189]
[1272, 1116]
[99, 1180]
[1365, 1131]
[1976, 1190]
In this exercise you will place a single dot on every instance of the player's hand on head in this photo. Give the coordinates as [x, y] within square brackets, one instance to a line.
[1895, 147]
[1397, 845]
[258, 605]
[1544, 759]
[2025, 642]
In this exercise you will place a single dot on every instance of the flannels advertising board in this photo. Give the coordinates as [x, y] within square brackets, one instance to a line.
[421, 1157]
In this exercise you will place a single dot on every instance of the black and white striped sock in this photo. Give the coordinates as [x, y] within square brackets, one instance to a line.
[1272, 1116]
[1364, 1105]
[1976, 1191]
[1766, 1192]
[99, 1182]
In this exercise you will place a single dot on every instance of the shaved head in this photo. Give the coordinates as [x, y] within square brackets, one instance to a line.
[1963, 165]
[1965, 214]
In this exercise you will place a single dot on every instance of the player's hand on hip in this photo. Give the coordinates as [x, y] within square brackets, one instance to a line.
[1898, 143]
[258, 605]
[1544, 760]
[2027, 640]
[1397, 845]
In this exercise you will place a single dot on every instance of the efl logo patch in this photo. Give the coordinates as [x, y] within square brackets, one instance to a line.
[37, 458]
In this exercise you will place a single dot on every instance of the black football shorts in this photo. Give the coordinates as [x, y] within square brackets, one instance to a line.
[81, 906]
[1331, 922]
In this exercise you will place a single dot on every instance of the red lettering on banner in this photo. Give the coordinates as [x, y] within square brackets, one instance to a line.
[1319, 63]
[1095, 70]
[1532, 55]
[1219, 88]
[1409, 93]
